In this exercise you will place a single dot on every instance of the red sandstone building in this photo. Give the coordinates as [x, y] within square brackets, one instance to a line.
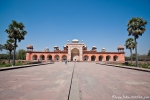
[75, 51]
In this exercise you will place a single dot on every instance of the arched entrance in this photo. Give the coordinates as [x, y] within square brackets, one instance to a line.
[85, 58]
[64, 58]
[115, 58]
[56, 57]
[34, 57]
[75, 54]
[100, 58]
[49, 57]
[42, 57]
[93, 58]
[108, 58]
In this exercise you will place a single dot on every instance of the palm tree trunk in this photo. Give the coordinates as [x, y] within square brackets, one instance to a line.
[131, 55]
[9, 57]
[136, 51]
[14, 56]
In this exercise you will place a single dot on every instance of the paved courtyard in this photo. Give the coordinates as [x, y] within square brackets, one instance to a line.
[90, 81]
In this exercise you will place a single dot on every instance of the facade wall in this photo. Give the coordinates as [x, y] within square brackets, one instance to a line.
[30, 56]
[75, 51]
[119, 57]
[85, 57]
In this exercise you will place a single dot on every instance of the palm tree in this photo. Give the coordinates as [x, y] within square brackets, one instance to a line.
[136, 27]
[16, 31]
[1, 47]
[9, 46]
[148, 54]
[130, 45]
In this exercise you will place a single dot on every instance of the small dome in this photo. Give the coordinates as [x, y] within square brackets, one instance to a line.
[30, 46]
[47, 49]
[103, 48]
[75, 41]
[56, 46]
[94, 47]
[120, 47]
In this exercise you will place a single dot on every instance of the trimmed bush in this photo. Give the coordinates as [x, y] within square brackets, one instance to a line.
[7, 65]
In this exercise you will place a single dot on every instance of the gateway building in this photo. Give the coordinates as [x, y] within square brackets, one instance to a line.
[75, 51]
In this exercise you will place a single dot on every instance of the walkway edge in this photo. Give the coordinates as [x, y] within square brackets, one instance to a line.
[129, 67]
[23, 66]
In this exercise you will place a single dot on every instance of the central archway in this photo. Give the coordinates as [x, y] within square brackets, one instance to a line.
[75, 54]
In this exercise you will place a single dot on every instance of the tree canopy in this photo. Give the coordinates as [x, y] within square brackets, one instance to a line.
[136, 27]
[9, 45]
[148, 53]
[21, 54]
[16, 31]
[129, 43]
[1, 47]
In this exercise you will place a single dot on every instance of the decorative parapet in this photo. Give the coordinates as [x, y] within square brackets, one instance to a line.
[95, 52]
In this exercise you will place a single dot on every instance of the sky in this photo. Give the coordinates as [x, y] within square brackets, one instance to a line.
[100, 23]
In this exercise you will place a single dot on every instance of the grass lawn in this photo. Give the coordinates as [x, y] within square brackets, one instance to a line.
[18, 63]
[141, 65]
[4, 65]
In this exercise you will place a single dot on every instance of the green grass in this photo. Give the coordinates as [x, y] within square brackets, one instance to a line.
[3, 64]
[141, 65]
[18, 63]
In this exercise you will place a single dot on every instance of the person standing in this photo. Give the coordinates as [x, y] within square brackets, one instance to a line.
[65, 61]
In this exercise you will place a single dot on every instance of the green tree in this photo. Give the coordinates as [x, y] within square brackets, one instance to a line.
[4, 56]
[127, 58]
[1, 47]
[16, 31]
[134, 56]
[148, 53]
[21, 54]
[130, 45]
[136, 27]
[9, 46]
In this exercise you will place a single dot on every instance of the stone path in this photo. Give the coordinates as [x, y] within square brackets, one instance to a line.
[90, 82]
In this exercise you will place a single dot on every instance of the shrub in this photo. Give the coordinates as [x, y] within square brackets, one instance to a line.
[3, 63]
[18, 63]
[7, 65]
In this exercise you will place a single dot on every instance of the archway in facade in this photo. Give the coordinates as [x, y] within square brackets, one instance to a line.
[108, 58]
[74, 54]
[115, 58]
[49, 57]
[100, 58]
[93, 58]
[34, 57]
[64, 58]
[56, 57]
[42, 57]
[85, 58]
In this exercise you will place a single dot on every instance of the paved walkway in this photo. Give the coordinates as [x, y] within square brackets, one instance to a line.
[90, 82]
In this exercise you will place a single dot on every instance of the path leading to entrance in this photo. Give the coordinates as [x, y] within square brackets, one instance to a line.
[90, 82]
